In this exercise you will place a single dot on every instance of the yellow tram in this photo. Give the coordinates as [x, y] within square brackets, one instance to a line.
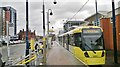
[86, 43]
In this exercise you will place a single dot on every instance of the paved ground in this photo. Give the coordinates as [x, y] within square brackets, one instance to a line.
[110, 58]
[60, 56]
[57, 55]
[16, 51]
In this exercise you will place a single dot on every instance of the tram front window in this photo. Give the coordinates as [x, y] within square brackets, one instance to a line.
[93, 41]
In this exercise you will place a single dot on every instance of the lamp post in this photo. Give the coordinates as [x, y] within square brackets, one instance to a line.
[8, 48]
[48, 25]
[44, 48]
[96, 13]
[27, 42]
[114, 33]
[44, 39]
[7, 30]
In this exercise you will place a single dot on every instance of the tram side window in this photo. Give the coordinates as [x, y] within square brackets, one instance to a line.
[71, 40]
[77, 40]
[60, 39]
[66, 39]
[63, 39]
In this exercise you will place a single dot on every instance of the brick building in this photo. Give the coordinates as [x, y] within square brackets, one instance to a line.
[118, 30]
[22, 34]
[8, 14]
[107, 25]
[108, 32]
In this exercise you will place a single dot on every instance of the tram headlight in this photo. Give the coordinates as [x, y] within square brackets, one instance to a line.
[86, 54]
[102, 54]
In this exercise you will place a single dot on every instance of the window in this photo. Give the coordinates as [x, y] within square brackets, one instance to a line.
[71, 39]
[77, 39]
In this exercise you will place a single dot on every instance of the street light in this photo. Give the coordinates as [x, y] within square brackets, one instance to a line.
[44, 44]
[55, 2]
[48, 25]
[96, 13]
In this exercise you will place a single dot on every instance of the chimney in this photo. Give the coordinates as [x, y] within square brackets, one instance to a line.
[34, 32]
[20, 30]
[23, 30]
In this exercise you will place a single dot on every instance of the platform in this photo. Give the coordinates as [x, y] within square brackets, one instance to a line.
[58, 55]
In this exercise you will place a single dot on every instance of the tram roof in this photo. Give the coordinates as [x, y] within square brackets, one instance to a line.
[64, 34]
[78, 29]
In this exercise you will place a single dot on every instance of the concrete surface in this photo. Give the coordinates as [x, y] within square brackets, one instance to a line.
[58, 55]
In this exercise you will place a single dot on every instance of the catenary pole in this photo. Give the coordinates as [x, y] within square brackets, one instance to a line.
[114, 33]
[27, 42]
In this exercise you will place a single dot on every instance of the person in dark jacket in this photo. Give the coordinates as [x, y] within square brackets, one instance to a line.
[36, 45]
[0, 60]
[2, 64]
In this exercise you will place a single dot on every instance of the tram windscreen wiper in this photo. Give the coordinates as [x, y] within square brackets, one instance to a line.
[91, 49]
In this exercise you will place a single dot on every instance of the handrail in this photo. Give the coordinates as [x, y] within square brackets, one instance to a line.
[28, 58]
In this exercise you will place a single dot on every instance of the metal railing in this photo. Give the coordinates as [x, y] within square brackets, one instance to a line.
[35, 56]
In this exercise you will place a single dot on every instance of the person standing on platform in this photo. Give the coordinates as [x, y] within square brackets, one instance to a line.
[32, 44]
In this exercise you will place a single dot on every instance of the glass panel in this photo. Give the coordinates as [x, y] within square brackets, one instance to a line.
[77, 40]
[92, 39]
[93, 42]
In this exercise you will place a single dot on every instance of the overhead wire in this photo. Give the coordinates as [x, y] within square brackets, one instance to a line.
[79, 10]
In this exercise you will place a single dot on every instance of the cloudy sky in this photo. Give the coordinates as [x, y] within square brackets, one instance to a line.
[63, 10]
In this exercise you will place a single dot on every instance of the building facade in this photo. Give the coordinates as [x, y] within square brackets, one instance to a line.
[92, 18]
[107, 25]
[2, 21]
[13, 18]
[69, 25]
[109, 15]
[22, 35]
[8, 14]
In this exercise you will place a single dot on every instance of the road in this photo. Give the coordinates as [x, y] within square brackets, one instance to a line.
[16, 51]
